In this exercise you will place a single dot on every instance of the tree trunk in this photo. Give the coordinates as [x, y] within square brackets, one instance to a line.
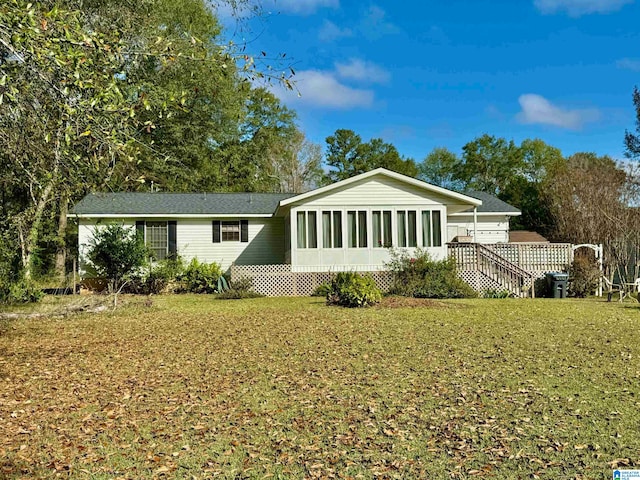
[31, 239]
[61, 254]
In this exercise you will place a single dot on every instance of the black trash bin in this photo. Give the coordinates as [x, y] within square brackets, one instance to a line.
[557, 284]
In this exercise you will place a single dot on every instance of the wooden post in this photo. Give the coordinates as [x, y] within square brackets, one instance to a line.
[74, 275]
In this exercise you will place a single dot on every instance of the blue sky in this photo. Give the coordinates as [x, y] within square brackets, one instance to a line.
[426, 74]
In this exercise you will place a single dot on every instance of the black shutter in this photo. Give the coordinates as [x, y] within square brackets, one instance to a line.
[140, 229]
[173, 240]
[216, 231]
[244, 230]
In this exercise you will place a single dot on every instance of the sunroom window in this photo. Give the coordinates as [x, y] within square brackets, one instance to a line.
[332, 229]
[307, 230]
[357, 225]
[381, 224]
[431, 228]
[407, 228]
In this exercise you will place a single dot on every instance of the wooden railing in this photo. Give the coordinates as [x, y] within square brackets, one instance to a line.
[481, 258]
[536, 257]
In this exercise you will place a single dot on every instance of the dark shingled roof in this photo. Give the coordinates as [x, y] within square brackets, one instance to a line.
[491, 203]
[525, 236]
[126, 203]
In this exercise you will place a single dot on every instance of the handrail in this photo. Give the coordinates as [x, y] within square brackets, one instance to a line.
[487, 261]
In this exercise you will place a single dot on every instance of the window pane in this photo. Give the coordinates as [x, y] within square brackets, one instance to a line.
[411, 218]
[402, 229]
[376, 224]
[426, 228]
[302, 230]
[351, 226]
[313, 230]
[437, 235]
[337, 229]
[387, 228]
[326, 229]
[230, 231]
[157, 239]
[362, 229]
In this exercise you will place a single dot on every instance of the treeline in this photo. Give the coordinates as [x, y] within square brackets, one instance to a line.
[103, 95]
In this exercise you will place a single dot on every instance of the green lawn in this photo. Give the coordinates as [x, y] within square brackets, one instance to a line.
[194, 387]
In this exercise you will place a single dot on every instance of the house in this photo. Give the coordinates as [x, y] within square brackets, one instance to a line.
[343, 226]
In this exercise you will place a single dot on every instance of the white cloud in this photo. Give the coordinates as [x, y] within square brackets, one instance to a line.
[322, 89]
[632, 64]
[538, 110]
[357, 69]
[330, 32]
[576, 8]
[375, 23]
[301, 7]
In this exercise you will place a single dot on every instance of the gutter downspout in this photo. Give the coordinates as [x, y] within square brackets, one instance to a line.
[475, 224]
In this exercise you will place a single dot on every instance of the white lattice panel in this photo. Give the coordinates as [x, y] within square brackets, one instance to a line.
[279, 280]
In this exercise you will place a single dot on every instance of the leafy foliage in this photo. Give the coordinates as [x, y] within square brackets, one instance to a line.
[420, 276]
[158, 277]
[351, 289]
[239, 289]
[496, 293]
[201, 277]
[116, 252]
[347, 156]
[22, 291]
[584, 276]
[632, 140]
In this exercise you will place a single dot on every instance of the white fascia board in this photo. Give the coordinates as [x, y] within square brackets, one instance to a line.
[169, 215]
[383, 171]
[485, 214]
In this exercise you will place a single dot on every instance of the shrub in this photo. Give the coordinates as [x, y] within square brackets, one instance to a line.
[496, 293]
[584, 276]
[116, 252]
[157, 278]
[238, 289]
[20, 291]
[422, 277]
[201, 277]
[350, 289]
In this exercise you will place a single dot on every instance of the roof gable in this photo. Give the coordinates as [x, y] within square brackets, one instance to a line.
[454, 196]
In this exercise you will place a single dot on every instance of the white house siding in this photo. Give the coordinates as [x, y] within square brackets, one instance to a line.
[195, 240]
[265, 245]
[491, 228]
[381, 190]
[375, 193]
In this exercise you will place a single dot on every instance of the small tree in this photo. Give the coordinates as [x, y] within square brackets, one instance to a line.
[115, 252]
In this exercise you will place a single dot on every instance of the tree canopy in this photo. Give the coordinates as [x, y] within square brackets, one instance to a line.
[347, 155]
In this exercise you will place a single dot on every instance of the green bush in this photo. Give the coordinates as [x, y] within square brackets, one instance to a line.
[238, 289]
[116, 252]
[422, 277]
[201, 277]
[158, 278]
[584, 277]
[496, 293]
[350, 289]
[19, 292]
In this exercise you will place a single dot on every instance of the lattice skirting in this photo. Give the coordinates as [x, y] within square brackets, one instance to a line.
[279, 280]
[479, 281]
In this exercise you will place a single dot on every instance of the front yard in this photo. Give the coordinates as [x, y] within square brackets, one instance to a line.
[194, 387]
